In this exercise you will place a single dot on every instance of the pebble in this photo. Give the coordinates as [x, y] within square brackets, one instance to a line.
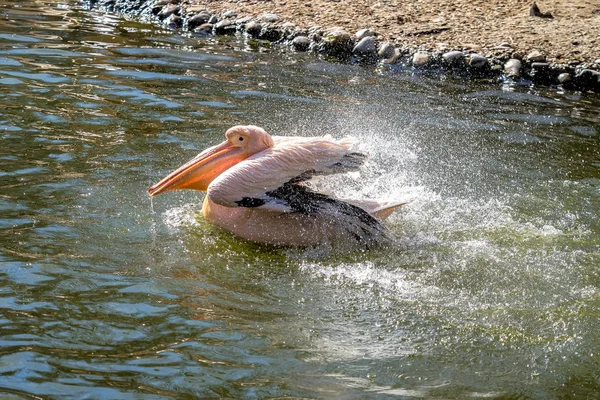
[336, 42]
[292, 34]
[394, 58]
[270, 32]
[539, 71]
[243, 21]
[203, 30]
[477, 61]
[564, 77]
[168, 10]
[229, 14]
[363, 33]
[512, 68]
[589, 77]
[386, 50]
[197, 20]
[301, 43]
[213, 19]
[421, 59]
[225, 27]
[367, 46]
[536, 56]
[337, 36]
[454, 58]
[173, 21]
[270, 17]
[540, 65]
[253, 29]
[315, 37]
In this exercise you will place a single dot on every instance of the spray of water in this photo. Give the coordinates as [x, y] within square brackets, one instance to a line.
[482, 250]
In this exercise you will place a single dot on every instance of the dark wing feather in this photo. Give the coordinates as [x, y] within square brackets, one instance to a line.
[358, 223]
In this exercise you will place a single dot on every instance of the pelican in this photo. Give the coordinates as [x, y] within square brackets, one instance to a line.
[255, 188]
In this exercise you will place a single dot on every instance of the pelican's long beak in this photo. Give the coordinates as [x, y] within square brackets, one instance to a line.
[200, 171]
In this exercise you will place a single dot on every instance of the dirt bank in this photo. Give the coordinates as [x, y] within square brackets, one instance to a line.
[572, 34]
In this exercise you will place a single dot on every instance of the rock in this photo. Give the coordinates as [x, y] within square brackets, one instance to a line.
[477, 61]
[270, 17]
[563, 78]
[588, 78]
[512, 68]
[270, 32]
[540, 66]
[213, 19]
[386, 50]
[536, 56]
[173, 22]
[393, 59]
[337, 43]
[229, 14]
[421, 59]
[203, 30]
[315, 37]
[197, 20]
[253, 29]
[540, 72]
[168, 10]
[301, 43]
[367, 46]
[454, 58]
[241, 22]
[363, 33]
[295, 33]
[225, 27]
[289, 26]
[534, 11]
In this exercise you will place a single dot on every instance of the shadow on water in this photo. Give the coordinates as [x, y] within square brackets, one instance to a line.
[491, 289]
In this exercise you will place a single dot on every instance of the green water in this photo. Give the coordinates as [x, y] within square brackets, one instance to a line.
[492, 289]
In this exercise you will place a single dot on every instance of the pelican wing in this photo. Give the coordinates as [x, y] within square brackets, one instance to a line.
[261, 180]
[355, 221]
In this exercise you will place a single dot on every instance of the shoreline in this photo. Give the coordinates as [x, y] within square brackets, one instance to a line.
[404, 45]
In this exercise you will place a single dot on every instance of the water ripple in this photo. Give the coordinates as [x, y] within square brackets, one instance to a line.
[490, 290]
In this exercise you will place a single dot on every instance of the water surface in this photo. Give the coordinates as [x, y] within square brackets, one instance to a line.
[491, 290]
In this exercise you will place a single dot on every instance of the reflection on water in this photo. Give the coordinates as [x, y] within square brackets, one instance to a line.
[492, 289]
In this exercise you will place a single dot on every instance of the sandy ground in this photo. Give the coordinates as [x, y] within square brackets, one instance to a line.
[573, 34]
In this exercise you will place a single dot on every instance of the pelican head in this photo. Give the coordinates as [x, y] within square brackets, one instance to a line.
[241, 142]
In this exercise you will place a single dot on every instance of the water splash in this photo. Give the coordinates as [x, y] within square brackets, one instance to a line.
[182, 216]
